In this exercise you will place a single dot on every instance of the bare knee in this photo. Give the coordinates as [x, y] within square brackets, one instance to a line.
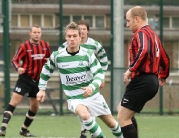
[111, 124]
[83, 112]
[124, 118]
[108, 120]
[85, 115]
[34, 107]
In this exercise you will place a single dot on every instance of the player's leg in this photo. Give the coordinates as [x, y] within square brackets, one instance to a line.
[83, 132]
[112, 124]
[124, 117]
[134, 122]
[99, 107]
[125, 113]
[30, 115]
[15, 100]
[90, 124]
[140, 89]
[83, 129]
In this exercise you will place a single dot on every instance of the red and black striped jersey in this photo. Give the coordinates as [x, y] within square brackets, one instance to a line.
[31, 57]
[147, 54]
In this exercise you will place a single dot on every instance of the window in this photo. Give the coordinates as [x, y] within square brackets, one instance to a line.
[14, 19]
[76, 18]
[166, 22]
[175, 22]
[100, 21]
[51, 21]
[89, 19]
[153, 22]
[66, 20]
[48, 21]
[24, 21]
[36, 20]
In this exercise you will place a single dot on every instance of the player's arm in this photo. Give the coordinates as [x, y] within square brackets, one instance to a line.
[98, 73]
[45, 75]
[103, 59]
[20, 53]
[164, 66]
[98, 76]
[142, 42]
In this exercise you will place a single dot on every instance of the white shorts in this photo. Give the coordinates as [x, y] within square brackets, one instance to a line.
[96, 104]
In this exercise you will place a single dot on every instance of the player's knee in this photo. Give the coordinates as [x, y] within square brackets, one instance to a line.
[34, 108]
[14, 103]
[111, 124]
[85, 116]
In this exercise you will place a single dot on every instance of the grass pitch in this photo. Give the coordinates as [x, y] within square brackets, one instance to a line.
[68, 126]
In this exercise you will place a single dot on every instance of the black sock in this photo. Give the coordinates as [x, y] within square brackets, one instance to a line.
[134, 122]
[129, 131]
[10, 108]
[7, 115]
[29, 118]
[23, 129]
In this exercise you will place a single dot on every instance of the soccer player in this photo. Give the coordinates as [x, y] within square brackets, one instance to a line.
[28, 61]
[81, 76]
[91, 44]
[99, 52]
[149, 68]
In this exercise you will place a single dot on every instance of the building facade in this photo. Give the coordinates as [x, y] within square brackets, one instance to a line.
[27, 13]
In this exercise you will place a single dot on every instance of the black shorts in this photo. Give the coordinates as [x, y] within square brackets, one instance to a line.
[26, 84]
[140, 90]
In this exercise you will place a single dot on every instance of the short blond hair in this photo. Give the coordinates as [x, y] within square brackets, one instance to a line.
[73, 26]
[36, 26]
[138, 11]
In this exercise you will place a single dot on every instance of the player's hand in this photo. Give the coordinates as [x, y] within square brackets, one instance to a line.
[127, 76]
[87, 91]
[40, 96]
[102, 84]
[21, 70]
[162, 81]
[46, 59]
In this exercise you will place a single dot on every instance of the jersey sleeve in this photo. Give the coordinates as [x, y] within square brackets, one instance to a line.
[46, 72]
[98, 74]
[102, 57]
[164, 64]
[142, 53]
[20, 53]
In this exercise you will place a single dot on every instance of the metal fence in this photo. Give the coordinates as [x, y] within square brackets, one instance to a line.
[165, 102]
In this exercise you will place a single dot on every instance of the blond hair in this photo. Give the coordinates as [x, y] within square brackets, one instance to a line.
[36, 26]
[73, 26]
[138, 11]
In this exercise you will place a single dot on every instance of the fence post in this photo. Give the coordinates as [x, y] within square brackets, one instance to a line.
[161, 39]
[6, 47]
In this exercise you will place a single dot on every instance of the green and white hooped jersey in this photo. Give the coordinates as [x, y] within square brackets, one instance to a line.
[97, 49]
[80, 70]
